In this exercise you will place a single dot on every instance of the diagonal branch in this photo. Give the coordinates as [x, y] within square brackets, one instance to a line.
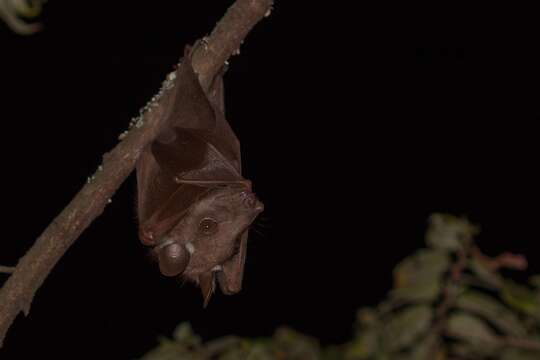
[6, 269]
[17, 293]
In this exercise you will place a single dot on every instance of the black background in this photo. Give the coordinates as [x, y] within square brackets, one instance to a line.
[355, 124]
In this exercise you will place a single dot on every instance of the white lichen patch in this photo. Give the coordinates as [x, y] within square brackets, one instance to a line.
[123, 135]
[171, 76]
[167, 84]
[204, 42]
[139, 123]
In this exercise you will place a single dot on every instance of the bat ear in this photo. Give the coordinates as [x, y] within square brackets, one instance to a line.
[230, 278]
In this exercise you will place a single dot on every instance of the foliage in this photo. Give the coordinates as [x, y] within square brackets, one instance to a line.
[449, 301]
[15, 14]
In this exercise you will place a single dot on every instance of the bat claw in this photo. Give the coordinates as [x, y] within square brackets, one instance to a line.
[208, 285]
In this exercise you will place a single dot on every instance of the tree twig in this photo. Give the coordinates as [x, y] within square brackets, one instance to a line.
[6, 269]
[449, 296]
[527, 344]
[17, 293]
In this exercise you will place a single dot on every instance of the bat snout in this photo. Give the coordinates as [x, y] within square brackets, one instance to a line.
[251, 202]
[259, 207]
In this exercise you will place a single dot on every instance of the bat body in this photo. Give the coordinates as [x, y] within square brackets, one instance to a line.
[194, 206]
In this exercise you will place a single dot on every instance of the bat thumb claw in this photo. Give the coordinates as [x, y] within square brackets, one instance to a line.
[208, 285]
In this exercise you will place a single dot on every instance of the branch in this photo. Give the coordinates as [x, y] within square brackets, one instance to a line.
[17, 293]
[449, 294]
[526, 344]
[6, 269]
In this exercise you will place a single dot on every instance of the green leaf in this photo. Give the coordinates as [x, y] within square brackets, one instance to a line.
[171, 350]
[295, 345]
[367, 317]
[184, 334]
[498, 314]
[471, 329]
[426, 291]
[535, 281]
[424, 264]
[463, 350]
[363, 346]
[406, 326]
[491, 278]
[425, 347]
[521, 298]
[448, 232]
[418, 277]
[519, 354]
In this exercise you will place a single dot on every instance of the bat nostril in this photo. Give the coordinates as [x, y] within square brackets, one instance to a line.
[251, 202]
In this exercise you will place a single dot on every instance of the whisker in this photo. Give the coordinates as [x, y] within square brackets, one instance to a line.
[263, 222]
[258, 230]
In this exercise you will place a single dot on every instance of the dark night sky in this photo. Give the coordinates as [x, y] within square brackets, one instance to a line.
[353, 132]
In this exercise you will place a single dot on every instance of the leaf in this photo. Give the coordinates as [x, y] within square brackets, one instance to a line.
[424, 264]
[462, 350]
[406, 326]
[255, 352]
[424, 348]
[418, 277]
[295, 345]
[519, 354]
[535, 281]
[184, 334]
[363, 346]
[489, 308]
[367, 317]
[420, 292]
[171, 350]
[471, 329]
[521, 298]
[491, 278]
[448, 232]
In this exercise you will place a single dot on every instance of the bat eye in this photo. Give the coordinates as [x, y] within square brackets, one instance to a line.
[208, 226]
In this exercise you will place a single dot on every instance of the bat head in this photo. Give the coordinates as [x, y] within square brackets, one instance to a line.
[210, 239]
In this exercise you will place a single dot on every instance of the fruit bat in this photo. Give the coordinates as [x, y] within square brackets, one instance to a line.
[194, 206]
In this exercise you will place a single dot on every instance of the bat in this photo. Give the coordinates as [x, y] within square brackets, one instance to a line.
[194, 206]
